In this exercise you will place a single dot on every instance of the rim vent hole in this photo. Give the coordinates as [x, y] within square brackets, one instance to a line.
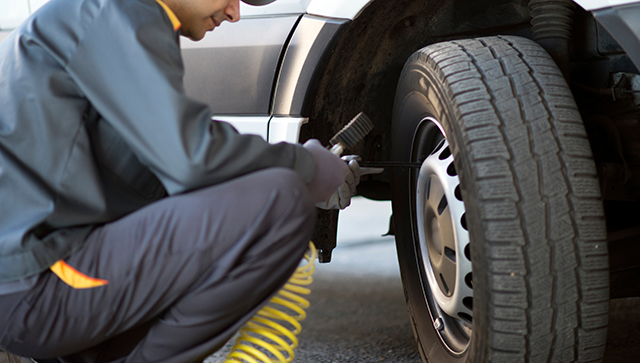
[451, 170]
[443, 205]
[445, 153]
[451, 254]
[466, 317]
[445, 286]
[468, 302]
[458, 193]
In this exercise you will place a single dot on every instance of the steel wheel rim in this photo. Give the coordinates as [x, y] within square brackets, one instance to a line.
[443, 241]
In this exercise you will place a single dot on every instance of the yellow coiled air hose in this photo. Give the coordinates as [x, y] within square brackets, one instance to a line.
[270, 335]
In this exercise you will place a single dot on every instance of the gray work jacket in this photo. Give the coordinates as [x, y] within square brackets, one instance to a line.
[95, 123]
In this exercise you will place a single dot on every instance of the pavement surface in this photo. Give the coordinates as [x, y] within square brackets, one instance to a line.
[358, 313]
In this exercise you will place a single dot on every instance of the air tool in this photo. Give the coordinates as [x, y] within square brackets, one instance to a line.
[355, 131]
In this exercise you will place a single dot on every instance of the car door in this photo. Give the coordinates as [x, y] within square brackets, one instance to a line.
[234, 68]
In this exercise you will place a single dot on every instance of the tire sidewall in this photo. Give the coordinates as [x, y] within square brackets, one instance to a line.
[420, 94]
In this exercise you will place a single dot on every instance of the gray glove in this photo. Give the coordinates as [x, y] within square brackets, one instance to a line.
[341, 198]
[328, 174]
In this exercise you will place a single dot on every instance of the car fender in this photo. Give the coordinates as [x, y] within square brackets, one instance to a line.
[305, 57]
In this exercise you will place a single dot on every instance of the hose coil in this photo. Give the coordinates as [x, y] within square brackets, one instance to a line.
[270, 335]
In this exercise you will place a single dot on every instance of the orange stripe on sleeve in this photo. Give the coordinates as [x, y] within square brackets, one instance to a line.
[75, 278]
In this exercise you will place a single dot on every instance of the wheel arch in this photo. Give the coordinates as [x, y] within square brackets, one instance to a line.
[362, 71]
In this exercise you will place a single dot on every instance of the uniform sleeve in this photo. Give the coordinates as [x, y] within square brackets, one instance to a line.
[130, 69]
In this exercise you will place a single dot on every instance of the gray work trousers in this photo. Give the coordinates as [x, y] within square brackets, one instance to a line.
[184, 274]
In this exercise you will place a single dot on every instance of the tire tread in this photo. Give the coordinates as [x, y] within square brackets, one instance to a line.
[552, 194]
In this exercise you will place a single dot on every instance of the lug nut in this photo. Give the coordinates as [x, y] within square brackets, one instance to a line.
[438, 324]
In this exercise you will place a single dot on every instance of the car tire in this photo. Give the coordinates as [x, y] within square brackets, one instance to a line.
[501, 233]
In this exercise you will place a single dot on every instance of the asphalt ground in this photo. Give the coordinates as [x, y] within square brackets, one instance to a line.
[358, 313]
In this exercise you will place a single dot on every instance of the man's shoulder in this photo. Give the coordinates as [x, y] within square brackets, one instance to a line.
[76, 20]
[141, 13]
[86, 12]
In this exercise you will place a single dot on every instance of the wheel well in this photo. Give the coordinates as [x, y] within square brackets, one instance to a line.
[362, 73]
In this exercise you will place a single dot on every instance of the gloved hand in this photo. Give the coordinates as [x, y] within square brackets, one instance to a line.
[341, 198]
[329, 172]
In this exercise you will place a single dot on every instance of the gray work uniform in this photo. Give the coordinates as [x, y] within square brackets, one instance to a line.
[97, 139]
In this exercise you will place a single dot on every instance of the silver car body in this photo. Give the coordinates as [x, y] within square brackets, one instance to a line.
[256, 73]
[258, 82]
